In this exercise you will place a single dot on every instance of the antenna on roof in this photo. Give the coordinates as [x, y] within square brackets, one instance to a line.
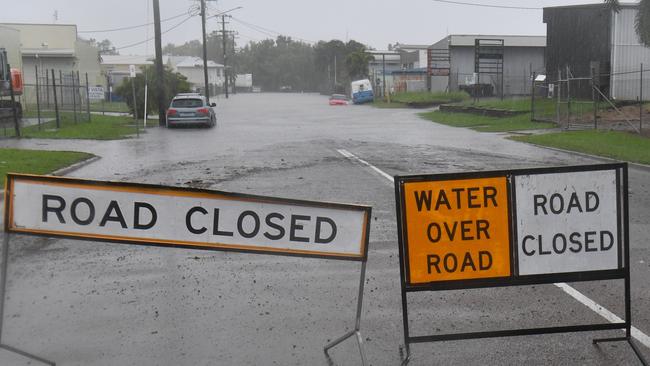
[55, 16]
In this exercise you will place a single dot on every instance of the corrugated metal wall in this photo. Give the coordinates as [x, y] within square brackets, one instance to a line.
[627, 56]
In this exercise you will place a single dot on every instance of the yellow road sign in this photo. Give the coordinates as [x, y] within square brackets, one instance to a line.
[457, 229]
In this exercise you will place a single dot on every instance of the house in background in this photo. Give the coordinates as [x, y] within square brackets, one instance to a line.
[192, 69]
[451, 63]
[593, 39]
[115, 68]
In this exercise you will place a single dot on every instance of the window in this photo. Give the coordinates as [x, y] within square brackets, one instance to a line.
[187, 103]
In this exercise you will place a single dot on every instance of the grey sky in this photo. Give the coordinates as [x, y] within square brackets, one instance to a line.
[375, 23]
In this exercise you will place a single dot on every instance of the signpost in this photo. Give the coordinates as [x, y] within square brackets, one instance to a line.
[510, 228]
[187, 218]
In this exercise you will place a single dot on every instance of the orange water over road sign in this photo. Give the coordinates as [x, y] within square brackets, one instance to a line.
[457, 229]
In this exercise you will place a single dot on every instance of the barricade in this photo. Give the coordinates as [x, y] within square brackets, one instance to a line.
[512, 228]
[182, 217]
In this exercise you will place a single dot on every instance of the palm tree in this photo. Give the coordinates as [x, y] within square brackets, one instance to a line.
[642, 23]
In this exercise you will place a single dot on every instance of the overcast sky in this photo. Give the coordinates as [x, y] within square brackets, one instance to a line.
[375, 23]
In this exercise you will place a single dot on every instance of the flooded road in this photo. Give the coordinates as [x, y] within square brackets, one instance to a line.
[90, 303]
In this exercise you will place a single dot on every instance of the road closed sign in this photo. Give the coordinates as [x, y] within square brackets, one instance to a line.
[456, 229]
[171, 216]
[567, 222]
[511, 227]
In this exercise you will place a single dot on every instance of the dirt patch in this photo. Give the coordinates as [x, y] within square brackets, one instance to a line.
[491, 112]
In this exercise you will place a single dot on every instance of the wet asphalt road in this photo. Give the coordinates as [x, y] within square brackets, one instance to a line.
[87, 303]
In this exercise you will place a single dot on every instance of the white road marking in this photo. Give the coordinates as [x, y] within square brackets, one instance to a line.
[577, 295]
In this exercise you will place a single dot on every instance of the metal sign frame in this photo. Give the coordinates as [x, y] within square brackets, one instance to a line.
[622, 272]
[9, 230]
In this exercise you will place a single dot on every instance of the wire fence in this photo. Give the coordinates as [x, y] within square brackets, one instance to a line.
[488, 85]
[607, 101]
[53, 99]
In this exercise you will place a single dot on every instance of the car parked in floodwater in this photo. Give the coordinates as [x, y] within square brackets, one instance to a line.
[190, 109]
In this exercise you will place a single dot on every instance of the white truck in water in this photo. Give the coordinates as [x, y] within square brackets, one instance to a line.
[361, 91]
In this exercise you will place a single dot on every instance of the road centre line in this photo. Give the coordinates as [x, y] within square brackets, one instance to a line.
[577, 295]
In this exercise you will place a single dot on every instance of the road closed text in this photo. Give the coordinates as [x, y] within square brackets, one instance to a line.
[186, 218]
[457, 229]
[567, 222]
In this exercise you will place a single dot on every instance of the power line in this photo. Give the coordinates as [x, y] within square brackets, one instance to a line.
[133, 26]
[487, 5]
[267, 31]
[149, 39]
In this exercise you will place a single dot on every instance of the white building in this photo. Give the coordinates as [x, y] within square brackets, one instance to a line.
[452, 63]
[192, 69]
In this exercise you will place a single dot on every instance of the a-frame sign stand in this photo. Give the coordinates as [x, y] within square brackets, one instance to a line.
[357, 325]
[609, 181]
[3, 286]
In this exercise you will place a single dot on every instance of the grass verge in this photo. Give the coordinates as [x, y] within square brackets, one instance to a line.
[427, 97]
[37, 161]
[99, 128]
[484, 123]
[611, 144]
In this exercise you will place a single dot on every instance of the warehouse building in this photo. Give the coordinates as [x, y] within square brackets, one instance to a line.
[455, 63]
[594, 40]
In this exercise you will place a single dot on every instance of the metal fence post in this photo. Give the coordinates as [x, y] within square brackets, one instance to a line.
[87, 98]
[62, 95]
[532, 99]
[38, 99]
[559, 92]
[56, 104]
[641, 100]
[13, 104]
[47, 87]
[594, 97]
[74, 97]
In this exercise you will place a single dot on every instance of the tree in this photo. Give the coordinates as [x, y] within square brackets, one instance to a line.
[106, 48]
[174, 83]
[191, 48]
[642, 21]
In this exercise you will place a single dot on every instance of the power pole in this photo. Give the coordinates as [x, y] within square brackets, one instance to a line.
[205, 55]
[223, 40]
[159, 65]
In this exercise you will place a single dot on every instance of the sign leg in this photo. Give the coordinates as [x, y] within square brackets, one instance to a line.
[356, 331]
[3, 286]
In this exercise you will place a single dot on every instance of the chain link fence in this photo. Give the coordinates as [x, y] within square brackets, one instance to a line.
[586, 102]
[53, 99]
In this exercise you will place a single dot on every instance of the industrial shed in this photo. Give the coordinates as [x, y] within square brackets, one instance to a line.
[594, 41]
[452, 61]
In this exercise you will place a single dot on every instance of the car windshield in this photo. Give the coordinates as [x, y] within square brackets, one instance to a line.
[187, 103]
[338, 97]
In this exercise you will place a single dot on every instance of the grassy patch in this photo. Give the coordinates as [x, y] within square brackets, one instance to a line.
[381, 104]
[109, 107]
[30, 110]
[484, 123]
[611, 144]
[37, 161]
[100, 128]
[427, 97]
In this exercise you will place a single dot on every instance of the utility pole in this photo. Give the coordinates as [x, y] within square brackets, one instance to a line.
[205, 55]
[223, 40]
[160, 86]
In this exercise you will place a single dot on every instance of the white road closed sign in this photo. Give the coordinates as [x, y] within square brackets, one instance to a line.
[567, 222]
[170, 216]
